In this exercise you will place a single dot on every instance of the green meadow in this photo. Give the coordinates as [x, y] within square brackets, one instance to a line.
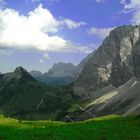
[103, 128]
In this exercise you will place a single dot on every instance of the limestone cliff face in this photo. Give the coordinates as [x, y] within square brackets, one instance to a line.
[115, 62]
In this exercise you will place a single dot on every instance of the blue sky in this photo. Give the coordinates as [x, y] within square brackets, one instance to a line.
[36, 34]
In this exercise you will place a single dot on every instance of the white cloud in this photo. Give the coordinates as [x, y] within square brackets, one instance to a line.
[136, 18]
[29, 32]
[79, 48]
[84, 49]
[46, 55]
[123, 2]
[99, 1]
[53, 1]
[100, 32]
[32, 31]
[43, 20]
[35, 0]
[5, 52]
[41, 61]
[71, 24]
[132, 6]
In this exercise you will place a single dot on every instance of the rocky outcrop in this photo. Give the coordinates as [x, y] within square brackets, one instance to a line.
[114, 63]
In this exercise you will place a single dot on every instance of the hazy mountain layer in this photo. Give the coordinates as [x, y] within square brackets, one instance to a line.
[60, 74]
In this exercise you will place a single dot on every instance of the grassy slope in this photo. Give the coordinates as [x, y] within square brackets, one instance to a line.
[105, 128]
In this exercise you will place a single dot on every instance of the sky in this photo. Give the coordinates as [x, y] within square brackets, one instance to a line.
[35, 34]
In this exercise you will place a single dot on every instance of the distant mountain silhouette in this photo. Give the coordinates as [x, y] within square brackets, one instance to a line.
[59, 75]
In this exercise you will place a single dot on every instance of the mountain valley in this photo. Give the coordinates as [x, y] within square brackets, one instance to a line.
[106, 82]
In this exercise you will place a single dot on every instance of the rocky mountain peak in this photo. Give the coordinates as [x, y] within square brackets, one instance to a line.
[59, 75]
[19, 75]
[114, 63]
[20, 70]
[62, 70]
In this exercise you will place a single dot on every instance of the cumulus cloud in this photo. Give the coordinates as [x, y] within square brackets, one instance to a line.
[29, 32]
[71, 24]
[32, 31]
[132, 6]
[100, 32]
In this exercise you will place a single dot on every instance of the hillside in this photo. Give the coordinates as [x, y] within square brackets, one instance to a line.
[105, 128]
[109, 82]
[124, 100]
[22, 96]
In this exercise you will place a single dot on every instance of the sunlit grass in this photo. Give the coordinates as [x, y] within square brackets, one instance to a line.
[103, 128]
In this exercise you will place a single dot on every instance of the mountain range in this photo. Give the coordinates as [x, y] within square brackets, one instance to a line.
[22, 96]
[106, 82]
[60, 74]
